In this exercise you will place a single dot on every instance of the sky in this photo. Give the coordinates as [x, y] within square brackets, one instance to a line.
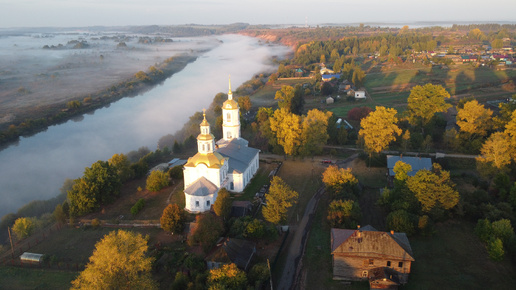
[83, 13]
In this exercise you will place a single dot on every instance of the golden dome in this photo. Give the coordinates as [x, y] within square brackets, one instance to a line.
[230, 105]
[211, 160]
[205, 137]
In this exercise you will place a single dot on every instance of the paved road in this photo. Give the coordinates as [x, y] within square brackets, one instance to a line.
[296, 248]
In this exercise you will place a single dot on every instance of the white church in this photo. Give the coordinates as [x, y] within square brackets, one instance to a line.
[228, 163]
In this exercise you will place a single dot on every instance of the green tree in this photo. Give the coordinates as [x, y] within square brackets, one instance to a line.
[315, 131]
[344, 214]
[473, 118]
[173, 219]
[401, 221]
[287, 129]
[99, 185]
[379, 129]
[23, 227]
[433, 188]
[495, 249]
[424, 102]
[280, 198]
[123, 167]
[358, 77]
[222, 205]
[157, 180]
[119, 261]
[59, 214]
[227, 277]
[503, 230]
[209, 229]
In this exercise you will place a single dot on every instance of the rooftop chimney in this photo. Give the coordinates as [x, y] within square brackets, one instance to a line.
[392, 232]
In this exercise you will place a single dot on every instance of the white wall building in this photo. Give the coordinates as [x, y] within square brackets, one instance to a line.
[230, 164]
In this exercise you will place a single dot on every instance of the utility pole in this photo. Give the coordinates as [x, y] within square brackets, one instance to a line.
[270, 274]
[10, 239]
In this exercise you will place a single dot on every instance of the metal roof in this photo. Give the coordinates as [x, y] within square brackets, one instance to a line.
[239, 156]
[201, 187]
[417, 163]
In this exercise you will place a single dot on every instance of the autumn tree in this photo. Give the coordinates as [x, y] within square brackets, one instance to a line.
[122, 166]
[339, 180]
[401, 221]
[23, 227]
[284, 97]
[433, 188]
[119, 261]
[344, 214]
[157, 180]
[474, 119]
[208, 230]
[401, 170]
[222, 205]
[497, 151]
[358, 113]
[315, 131]
[173, 219]
[280, 198]
[244, 103]
[379, 129]
[287, 129]
[99, 185]
[424, 102]
[227, 277]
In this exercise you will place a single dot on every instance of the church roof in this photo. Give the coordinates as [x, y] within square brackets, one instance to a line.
[240, 156]
[211, 160]
[201, 187]
[230, 105]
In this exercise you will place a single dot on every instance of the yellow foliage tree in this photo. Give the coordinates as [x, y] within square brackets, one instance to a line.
[379, 129]
[497, 150]
[118, 262]
[227, 277]
[287, 128]
[337, 179]
[315, 131]
[474, 118]
[401, 170]
[433, 188]
[424, 102]
[280, 198]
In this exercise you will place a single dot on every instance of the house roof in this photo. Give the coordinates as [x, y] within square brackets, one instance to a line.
[240, 156]
[235, 251]
[330, 76]
[201, 187]
[417, 163]
[368, 242]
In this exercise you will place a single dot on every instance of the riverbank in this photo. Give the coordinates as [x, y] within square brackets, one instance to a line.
[39, 118]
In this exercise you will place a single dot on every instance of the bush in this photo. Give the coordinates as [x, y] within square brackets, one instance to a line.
[138, 206]
[495, 249]
[95, 223]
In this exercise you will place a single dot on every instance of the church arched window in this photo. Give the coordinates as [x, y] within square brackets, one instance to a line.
[228, 117]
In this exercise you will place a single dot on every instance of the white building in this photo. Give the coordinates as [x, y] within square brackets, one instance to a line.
[360, 95]
[230, 163]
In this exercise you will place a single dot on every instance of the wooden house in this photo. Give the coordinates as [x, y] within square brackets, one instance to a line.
[367, 254]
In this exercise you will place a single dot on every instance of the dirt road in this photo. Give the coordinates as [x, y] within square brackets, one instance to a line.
[296, 248]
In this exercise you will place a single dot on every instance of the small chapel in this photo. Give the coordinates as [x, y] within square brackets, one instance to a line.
[228, 163]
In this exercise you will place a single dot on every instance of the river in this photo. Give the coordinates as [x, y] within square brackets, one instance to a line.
[37, 166]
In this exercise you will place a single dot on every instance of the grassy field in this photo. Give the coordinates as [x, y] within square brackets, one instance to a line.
[25, 278]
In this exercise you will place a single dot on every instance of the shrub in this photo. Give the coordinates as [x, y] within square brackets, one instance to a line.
[95, 223]
[495, 249]
[157, 180]
[138, 206]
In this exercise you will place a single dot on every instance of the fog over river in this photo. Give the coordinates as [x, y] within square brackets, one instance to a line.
[37, 166]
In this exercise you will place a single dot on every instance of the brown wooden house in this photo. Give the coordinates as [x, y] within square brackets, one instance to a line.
[367, 254]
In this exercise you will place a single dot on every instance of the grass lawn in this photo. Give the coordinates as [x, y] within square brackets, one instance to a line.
[72, 245]
[454, 258]
[27, 278]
